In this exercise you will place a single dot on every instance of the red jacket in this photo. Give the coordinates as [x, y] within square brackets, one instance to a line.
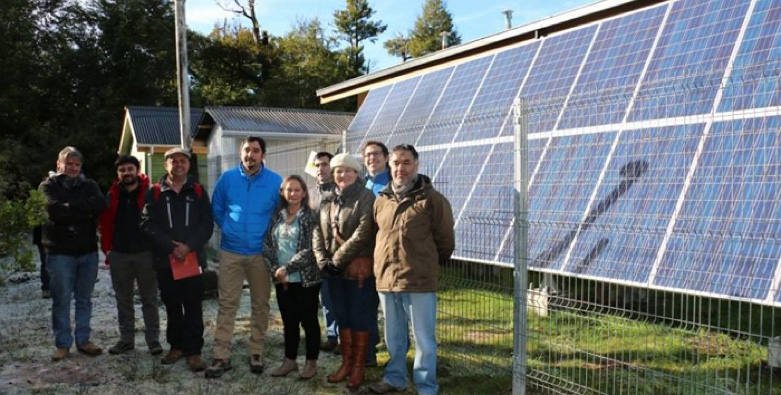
[106, 225]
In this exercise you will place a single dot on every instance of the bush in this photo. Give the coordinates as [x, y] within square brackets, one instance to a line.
[19, 217]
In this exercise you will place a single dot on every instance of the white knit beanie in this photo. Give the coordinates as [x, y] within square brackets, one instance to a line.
[346, 160]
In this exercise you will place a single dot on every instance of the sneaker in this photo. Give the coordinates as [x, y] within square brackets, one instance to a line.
[256, 364]
[155, 348]
[329, 345]
[90, 348]
[288, 366]
[121, 347]
[60, 354]
[382, 387]
[195, 363]
[46, 294]
[172, 356]
[218, 367]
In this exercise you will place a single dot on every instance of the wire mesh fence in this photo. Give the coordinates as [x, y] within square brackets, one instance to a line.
[654, 232]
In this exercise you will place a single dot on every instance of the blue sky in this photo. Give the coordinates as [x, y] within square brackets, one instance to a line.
[473, 19]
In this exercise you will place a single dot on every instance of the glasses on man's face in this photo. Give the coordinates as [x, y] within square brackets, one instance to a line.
[372, 154]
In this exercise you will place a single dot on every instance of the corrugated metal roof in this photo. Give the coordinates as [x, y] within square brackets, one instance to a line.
[160, 125]
[279, 121]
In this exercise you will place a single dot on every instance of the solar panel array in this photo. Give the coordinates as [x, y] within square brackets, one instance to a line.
[653, 147]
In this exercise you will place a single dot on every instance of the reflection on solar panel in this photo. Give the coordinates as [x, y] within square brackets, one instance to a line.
[653, 147]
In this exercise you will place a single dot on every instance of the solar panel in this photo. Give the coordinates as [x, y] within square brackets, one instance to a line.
[653, 147]
[693, 52]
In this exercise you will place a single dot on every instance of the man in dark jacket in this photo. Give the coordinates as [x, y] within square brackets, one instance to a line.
[177, 217]
[128, 251]
[73, 203]
[415, 235]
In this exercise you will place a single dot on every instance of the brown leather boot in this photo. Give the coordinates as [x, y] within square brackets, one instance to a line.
[360, 344]
[346, 345]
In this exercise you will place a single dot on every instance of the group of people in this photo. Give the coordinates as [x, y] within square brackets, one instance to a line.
[350, 243]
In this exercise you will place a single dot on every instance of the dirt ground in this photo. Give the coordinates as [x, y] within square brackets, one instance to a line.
[26, 345]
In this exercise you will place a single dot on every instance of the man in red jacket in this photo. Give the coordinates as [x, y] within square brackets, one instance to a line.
[128, 251]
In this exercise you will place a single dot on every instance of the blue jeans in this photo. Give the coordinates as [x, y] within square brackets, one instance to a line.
[72, 276]
[420, 309]
[352, 304]
[329, 315]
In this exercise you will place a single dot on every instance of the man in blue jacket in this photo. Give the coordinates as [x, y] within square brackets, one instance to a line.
[245, 198]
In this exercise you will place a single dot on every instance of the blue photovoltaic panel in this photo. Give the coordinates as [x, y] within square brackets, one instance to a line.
[464, 165]
[725, 239]
[392, 109]
[407, 129]
[429, 162]
[552, 76]
[454, 103]
[360, 125]
[536, 147]
[488, 213]
[689, 62]
[492, 104]
[612, 69]
[635, 202]
[560, 192]
[755, 82]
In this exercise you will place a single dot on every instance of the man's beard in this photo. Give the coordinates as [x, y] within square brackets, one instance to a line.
[129, 180]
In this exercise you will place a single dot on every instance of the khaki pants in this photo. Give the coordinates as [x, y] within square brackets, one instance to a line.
[234, 269]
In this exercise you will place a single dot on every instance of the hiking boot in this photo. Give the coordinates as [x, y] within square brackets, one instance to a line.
[60, 354]
[172, 356]
[256, 364]
[90, 348]
[310, 370]
[155, 348]
[195, 362]
[329, 345]
[382, 387]
[218, 367]
[121, 347]
[288, 366]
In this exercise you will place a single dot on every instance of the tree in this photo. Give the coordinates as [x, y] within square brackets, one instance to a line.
[397, 46]
[426, 36]
[308, 60]
[354, 25]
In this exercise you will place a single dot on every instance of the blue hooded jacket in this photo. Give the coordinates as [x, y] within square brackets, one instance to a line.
[243, 207]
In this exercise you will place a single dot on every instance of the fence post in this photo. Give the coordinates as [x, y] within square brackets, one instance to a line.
[344, 142]
[520, 229]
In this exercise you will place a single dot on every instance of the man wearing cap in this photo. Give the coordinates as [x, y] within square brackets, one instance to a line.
[245, 200]
[177, 218]
[415, 235]
[128, 251]
[73, 203]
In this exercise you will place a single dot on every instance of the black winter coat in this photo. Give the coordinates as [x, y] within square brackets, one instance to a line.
[74, 208]
[184, 217]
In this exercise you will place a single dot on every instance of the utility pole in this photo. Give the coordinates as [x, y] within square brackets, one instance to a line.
[508, 14]
[183, 77]
[445, 35]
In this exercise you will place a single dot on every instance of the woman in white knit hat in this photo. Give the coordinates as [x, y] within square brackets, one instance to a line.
[344, 244]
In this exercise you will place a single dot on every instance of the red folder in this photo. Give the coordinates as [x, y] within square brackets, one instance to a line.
[187, 267]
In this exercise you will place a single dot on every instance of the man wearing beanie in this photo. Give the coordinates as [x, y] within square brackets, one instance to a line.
[415, 235]
[129, 254]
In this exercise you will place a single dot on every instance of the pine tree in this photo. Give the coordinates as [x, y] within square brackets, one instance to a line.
[354, 25]
[426, 36]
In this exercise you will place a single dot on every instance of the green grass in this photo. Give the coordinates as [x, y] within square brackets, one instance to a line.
[668, 344]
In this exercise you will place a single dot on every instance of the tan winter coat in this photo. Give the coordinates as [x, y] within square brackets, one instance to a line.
[415, 236]
[356, 227]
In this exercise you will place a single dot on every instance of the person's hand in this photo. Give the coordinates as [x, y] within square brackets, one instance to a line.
[180, 250]
[332, 269]
[281, 275]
